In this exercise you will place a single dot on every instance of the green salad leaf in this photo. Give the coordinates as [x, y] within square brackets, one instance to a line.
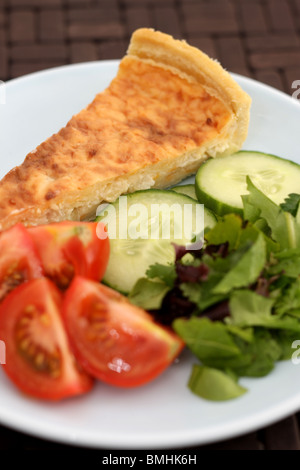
[213, 384]
[148, 294]
[247, 268]
[206, 339]
[166, 274]
[284, 226]
[291, 204]
[250, 309]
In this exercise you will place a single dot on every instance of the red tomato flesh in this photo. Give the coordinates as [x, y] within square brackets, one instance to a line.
[38, 357]
[19, 259]
[71, 248]
[114, 340]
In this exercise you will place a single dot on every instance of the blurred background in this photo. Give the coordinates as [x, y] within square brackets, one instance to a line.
[256, 38]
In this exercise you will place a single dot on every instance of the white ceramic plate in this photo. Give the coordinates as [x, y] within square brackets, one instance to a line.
[163, 414]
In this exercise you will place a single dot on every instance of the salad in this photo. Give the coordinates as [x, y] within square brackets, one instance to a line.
[83, 301]
[235, 301]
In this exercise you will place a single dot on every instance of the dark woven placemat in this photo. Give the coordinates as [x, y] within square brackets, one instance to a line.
[256, 38]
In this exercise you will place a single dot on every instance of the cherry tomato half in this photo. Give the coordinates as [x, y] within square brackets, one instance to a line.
[19, 259]
[38, 357]
[71, 248]
[114, 340]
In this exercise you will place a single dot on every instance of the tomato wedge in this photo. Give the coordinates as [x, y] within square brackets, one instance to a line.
[71, 248]
[114, 340]
[19, 259]
[38, 357]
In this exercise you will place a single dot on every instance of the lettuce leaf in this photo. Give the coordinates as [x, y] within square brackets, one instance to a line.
[148, 294]
[246, 270]
[206, 339]
[213, 384]
[250, 309]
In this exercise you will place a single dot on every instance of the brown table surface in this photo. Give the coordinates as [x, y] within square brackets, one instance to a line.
[256, 38]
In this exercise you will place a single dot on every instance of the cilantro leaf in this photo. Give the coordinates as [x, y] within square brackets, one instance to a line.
[291, 204]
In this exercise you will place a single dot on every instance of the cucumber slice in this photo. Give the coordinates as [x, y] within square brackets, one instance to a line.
[142, 226]
[220, 182]
[187, 189]
[190, 190]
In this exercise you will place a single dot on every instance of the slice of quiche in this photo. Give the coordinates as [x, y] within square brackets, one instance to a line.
[168, 109]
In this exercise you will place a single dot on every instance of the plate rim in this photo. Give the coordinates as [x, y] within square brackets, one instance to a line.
[164, 441]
